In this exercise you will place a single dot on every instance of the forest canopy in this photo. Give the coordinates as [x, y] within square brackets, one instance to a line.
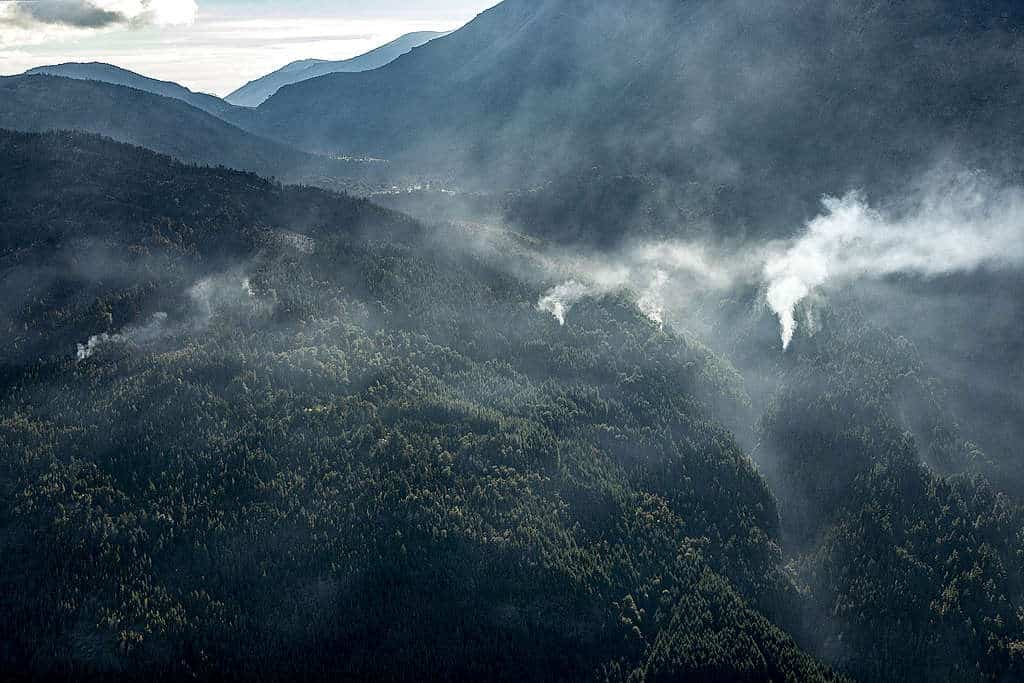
[271, 431]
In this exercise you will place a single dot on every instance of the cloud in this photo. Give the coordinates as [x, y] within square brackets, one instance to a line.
[78, 13]
[96, 14]
[167, 12]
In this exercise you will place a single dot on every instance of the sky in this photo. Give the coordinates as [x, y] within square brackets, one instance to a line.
[212, 46]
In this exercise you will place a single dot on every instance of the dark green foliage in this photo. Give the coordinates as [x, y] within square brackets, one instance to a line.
[925, 574]
[374, 459]
[912, 561]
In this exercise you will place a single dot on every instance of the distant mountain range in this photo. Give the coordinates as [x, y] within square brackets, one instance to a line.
[736, 97]
[723, 103]
[38, 103]
[254, 93]
[108, 73]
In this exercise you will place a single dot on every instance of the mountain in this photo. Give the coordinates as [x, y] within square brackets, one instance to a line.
[108, 73]
[254, 430]
[259, 431]
[271, 432]
[708, 366]
[254, 93]
[163, 124]
[731, 99]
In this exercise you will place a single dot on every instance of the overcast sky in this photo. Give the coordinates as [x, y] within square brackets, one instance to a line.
[211, 45]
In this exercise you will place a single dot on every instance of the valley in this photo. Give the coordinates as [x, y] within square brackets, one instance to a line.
[650, 342]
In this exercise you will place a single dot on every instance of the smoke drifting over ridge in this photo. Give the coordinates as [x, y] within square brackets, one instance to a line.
[954, 222]
[132, 334]
[658, 274]
[959, 224]
[229, 293]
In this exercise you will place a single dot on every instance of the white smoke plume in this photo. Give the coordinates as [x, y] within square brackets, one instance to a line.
[227, 293]
[560, 299]
[652, 301]
[659, 274]
[954, 222]
[960, 223]
[133, 335]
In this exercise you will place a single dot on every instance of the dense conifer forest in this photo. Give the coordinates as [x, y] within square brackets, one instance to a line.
[255, 430]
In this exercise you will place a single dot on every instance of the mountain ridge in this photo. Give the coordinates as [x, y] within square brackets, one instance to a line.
[714, 94]
[257, 91]
[39, 102]
[115, 75]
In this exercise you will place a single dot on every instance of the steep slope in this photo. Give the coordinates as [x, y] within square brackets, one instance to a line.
[108, 73]
[301, 436]
[772, 103]
[254, 93]
[166, 125]
[912, 560]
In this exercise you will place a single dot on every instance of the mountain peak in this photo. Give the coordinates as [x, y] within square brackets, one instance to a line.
[255, 92]
[115, 75]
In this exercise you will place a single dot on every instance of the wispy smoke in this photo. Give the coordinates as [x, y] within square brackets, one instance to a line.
[954, 222]
[658, 274]
[560, 299]
[132, 335]
[959, 223]
[303, 244]
[652, 301]
[230, 294]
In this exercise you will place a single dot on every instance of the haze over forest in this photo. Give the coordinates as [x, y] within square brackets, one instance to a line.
[649, 341]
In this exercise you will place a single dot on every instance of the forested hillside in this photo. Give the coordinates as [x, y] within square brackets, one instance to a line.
[911, 557]
[39, 103]
[735, 99]
[108, 73]
[243, 421]
[690, 348]
[253, 429]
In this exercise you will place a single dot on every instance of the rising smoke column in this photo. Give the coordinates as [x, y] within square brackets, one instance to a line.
[954, 222]
[957, 223]
[229, 292]
[134, 335]
[658, 272]
[558, 300]
[591, 278]
[652, 300]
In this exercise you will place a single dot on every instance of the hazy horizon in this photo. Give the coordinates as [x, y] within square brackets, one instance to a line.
[213, 47]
